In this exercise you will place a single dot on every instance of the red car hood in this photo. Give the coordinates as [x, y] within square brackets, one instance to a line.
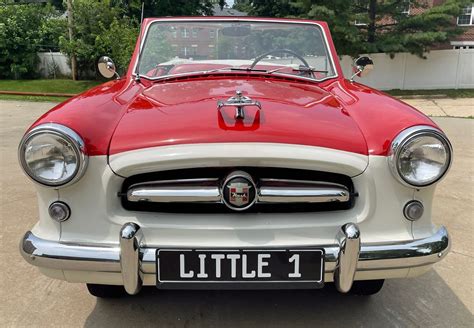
[185, 112]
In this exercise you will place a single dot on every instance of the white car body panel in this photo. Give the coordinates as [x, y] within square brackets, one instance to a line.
[97, 214]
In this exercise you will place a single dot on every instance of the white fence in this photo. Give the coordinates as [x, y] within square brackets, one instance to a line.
[53, 65]
[442, 69]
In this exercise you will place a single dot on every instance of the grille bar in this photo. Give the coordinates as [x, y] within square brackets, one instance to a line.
[204, 190]
[301, 191]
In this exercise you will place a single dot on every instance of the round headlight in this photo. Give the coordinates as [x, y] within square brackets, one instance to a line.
[53, 155]
[420, 156]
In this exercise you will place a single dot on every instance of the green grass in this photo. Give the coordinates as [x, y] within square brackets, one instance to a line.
[57, 86]
[450, 93]
[33, 98]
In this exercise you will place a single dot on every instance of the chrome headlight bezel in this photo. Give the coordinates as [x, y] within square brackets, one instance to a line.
[67, 134]
[408, 135]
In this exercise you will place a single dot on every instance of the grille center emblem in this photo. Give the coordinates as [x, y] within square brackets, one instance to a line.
[239, 191]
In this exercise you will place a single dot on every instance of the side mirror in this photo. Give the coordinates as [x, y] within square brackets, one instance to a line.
[107, 67]
[362, 67]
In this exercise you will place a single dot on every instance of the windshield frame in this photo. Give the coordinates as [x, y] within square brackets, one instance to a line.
[143, 36]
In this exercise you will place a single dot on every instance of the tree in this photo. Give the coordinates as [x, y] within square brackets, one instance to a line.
[100, 28]
[382, 25]
[161, 8]
[25, 30]
[70, 30]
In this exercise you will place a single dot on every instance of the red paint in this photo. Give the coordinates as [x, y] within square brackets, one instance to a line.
[184, 112]
[379, 116]
[125, 115]
[94, 114]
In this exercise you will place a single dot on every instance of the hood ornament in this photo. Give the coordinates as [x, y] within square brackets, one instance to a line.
[239, 102]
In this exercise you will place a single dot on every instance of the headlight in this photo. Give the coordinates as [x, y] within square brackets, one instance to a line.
[420, 156]
[53, 155]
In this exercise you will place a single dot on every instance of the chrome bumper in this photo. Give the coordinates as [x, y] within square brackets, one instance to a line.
[133, 258]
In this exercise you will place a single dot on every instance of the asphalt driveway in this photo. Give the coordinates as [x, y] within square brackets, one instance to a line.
[441, 298]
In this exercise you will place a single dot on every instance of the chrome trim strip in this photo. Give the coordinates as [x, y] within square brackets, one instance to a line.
[244, 19]
[302, 195]
[192, 194]
[106, 258]
[176, 181]
[302, 182]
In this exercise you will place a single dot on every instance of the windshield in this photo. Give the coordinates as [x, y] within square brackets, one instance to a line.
[184, 47]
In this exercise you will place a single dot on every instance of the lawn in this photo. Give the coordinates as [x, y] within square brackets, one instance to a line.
[57, 86]
[46, 86]
[33, 98]
[449, 93]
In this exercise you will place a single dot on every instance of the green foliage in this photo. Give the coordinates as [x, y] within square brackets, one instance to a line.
[51, 30]
[118, 40]
[100, 28]
[25, 30]
[383, 25]
[161, 8]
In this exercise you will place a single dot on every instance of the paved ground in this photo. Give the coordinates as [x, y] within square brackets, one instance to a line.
[442, 298]
[460, 107]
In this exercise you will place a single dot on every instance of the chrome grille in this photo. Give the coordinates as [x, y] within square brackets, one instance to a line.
[269, 191]
[201, 190]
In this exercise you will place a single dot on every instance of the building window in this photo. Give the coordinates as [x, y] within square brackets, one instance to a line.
[184, 33]
[406, 7]
[360, 23]
[467, 16]
[174, 33]
[361, 9]
[185, 51]
[194, 33]
[212, 34]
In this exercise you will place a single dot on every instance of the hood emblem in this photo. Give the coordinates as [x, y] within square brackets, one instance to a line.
[238, 191]
[239, 101]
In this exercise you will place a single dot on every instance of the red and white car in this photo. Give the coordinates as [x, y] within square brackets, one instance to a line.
[234, 154]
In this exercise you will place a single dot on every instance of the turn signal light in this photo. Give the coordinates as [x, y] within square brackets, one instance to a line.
[59, 211]
[413, 210]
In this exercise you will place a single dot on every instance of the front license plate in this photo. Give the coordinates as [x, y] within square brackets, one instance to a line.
[175, 266]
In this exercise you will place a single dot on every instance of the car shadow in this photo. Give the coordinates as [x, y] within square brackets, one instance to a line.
[422, 301]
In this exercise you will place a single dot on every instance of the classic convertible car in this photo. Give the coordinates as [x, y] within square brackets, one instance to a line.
[234, 154]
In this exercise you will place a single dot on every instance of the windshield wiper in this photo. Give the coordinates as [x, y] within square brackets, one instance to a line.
[236, 68]
[298, 69]
[244, 69]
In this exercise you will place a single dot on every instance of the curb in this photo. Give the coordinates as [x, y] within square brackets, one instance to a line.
[422, 96]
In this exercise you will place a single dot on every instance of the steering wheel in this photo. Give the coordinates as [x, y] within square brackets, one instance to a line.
[260, 57]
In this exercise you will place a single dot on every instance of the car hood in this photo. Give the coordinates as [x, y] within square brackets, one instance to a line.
[186, 112]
